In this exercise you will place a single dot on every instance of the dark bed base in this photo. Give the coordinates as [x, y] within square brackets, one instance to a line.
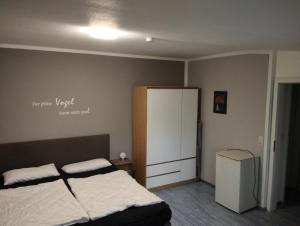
[154, 215]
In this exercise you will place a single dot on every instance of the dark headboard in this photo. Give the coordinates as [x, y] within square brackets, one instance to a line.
[59, 151]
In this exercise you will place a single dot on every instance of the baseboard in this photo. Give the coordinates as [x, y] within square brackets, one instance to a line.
[205, 182]
[173, 185]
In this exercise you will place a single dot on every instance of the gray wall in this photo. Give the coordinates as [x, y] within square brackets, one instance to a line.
[245, 79]
[102, 83]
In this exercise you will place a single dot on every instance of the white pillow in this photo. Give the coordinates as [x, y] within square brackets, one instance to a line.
[27, 174]
[85, 166]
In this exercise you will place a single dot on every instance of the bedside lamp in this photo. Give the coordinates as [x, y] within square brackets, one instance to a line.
[122, 156]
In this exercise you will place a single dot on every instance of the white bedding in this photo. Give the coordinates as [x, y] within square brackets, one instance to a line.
[105, 194]
[40, 205]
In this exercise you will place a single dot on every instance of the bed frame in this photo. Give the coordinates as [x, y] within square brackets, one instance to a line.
[70, 150]
[59, 151]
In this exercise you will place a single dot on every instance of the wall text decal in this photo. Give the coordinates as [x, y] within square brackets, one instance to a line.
[62, 105]
[65, 103]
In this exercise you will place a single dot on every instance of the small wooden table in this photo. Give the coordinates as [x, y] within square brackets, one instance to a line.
[124, 165]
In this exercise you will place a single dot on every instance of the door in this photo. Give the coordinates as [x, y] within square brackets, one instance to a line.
[292, 185]
[163, 125]
[189, 123]
[189, 133]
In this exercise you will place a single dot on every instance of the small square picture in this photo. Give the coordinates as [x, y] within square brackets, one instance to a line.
[220, 102]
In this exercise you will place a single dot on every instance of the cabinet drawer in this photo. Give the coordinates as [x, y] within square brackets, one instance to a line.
[162, 168]
[162, 180]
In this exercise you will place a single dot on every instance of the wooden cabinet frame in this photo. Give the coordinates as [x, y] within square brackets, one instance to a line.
[140, 129]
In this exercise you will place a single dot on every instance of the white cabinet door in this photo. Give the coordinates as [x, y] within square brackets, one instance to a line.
[163, 125]
[189, 123]
[188, 169]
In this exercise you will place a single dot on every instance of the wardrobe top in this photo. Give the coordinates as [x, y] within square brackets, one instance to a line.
[168, 87]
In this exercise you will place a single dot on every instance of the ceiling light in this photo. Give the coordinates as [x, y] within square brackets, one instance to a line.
[149, 39]
[102, 32]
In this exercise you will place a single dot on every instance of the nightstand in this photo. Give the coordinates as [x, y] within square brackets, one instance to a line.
[124, 165]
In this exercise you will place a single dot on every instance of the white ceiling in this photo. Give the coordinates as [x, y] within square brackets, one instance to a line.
[181, 28]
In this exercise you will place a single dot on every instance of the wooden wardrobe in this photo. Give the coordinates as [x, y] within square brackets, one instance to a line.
[164, 134]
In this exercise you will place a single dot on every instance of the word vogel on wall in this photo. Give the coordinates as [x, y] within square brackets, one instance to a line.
[63, 106]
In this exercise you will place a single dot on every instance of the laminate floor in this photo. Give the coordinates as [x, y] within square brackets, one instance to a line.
[194, 204]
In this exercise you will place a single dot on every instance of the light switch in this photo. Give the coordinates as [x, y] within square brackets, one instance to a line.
[260, 140]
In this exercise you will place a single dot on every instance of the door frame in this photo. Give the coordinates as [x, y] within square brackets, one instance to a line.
[267, 131]
[272, 197]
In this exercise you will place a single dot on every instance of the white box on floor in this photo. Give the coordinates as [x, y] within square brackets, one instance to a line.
[235, 179]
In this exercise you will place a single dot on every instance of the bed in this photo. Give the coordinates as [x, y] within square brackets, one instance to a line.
[70, 150]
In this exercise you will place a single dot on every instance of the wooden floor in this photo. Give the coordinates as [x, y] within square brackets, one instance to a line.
[194, 204]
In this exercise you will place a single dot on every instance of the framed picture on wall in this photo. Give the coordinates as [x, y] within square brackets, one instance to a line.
[220, 102]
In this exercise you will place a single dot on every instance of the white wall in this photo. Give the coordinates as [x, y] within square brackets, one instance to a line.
[245, 79]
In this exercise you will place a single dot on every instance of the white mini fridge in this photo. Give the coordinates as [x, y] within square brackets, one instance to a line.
[235, 180]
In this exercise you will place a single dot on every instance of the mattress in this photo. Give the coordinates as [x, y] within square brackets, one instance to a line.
[153, 215]
[156, 214]
[44, 204]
